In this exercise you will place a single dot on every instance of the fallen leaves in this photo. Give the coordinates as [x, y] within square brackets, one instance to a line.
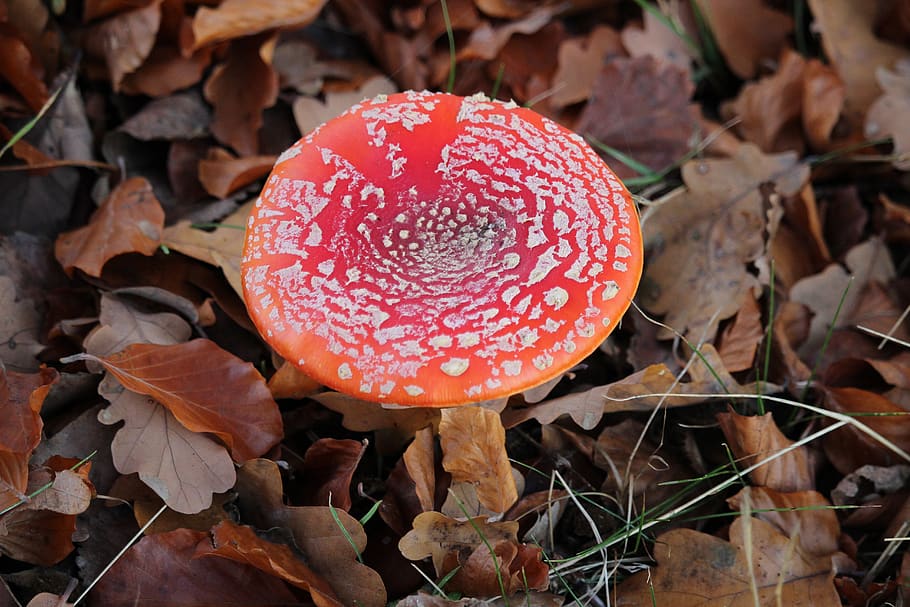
[130, 220]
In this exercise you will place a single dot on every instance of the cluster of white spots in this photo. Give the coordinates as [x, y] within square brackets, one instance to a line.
[490, 266]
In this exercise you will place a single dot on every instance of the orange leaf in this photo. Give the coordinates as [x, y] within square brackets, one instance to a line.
[419, 460]
[17, 68]
[221, 174]
[754, 438]
[21, 397]
[206, 388]
[130, 220]
[41, 537]
[238, 18]
[241, 544]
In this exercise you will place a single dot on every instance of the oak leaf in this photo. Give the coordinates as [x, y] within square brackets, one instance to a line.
[122, 324]
[758, 567]
[436, 535]
[183, 467]
[130, 220]
[703, 239]
[206, 388]
[474, 450]
[326, 537]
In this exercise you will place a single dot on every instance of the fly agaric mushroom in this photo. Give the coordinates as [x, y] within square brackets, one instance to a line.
[433, 250]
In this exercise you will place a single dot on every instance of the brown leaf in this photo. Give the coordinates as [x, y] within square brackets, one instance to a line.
[803, 515]
[517, 567]
[289, 382]
[183, 467]
[161, 570]
[739, 341]
[69, 493]
[769, 110]
[824, 95]
[130, 220]
[889, 115]
[220, 247]
[18, 69]
[19, 326]
[328, 467]
[122, 324]
[755, 438]
[696, 569]
[659, 41]
[748, 33]
[46, 599]
[124, 41]
[173, 118]
[641, 108]
[317, 532]
[436, 535]
[420, 462]
[580, 62]
[240, 88]
[702, 239]
[221, 174]
[848, 448]
[238, 18]
[848, 37]
[206, 388]
[40, 537]
[474, 450]
[21, 397]
[167, 70]
[310, 112]
[242, 545]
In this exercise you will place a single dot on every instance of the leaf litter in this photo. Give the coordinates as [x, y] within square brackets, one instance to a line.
[771, 141]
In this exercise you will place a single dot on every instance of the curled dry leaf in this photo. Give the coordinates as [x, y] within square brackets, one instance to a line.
[324, 536]
[221, 173]
[226, 396]
[420, 461]
[702, 239]
[161, 569]
[220, 247]
[435, 535]
[580, 61]
[474, 450]
[183, 467]
[516, 568]
[240, 88]
[130, 220]
[238, 18]
[748, 32]
[242, 545]
[739, 341]
[755, 438]
[124, 41]
[328, 466]
[695, 569]
[17, 67]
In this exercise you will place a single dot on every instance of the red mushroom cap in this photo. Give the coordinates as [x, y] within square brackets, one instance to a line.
[428, 249]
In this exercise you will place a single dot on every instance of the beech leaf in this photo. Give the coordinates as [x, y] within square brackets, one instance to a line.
[225, 396]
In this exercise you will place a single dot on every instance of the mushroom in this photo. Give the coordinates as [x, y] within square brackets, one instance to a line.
[434, 250]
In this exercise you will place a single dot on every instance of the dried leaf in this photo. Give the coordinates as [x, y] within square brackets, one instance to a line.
[739, 341]
[328, 467]
[225, 396]
[474, 450]
[310, 112]
[436, 535]
[18, 69]
[659, 41]
[317, 533]
[122, 324]
[748, 32]
[238, 18]
[220, 247]
[240, 88]
[517, 567]
[696, 569]
[167, 70]
[221, 174]
[702, 239]
[641, 108]
[40, 537]
[69, 493]
[161, 570]
[848, 37]
[755, 438]
[176, 117]
[803, 515]
[242, 545]
[130, 220]
[362, 416]
[580, 62]
[420, 462]
[183, 467]
[19, 327]
[289, 382]
[124, 41]
[889, 115]
[21, 397]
